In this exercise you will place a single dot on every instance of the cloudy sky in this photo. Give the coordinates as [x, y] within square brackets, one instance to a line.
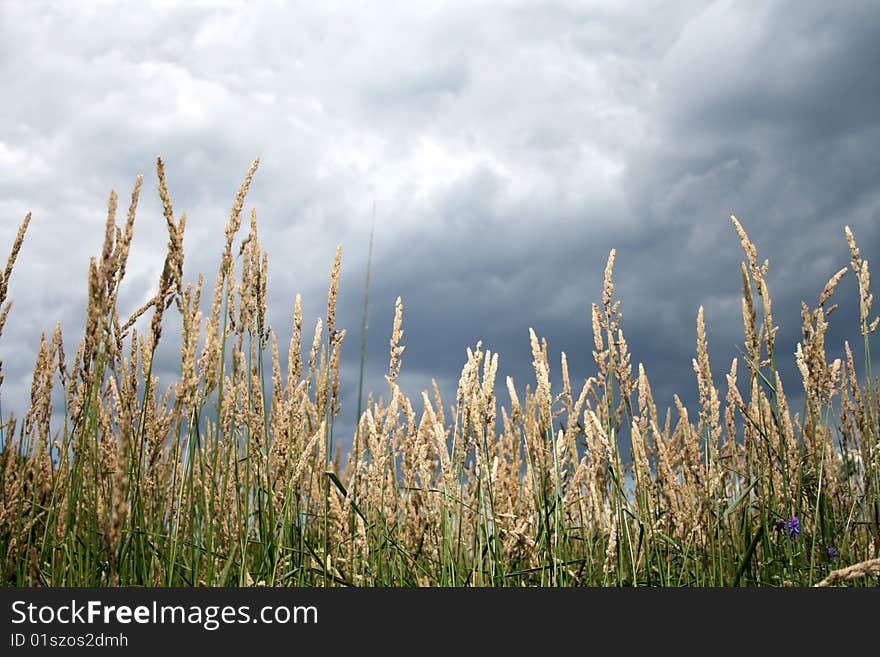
[506, 147]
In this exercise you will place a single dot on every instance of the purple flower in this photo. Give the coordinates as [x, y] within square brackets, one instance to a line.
[831, 553]
[793, 525]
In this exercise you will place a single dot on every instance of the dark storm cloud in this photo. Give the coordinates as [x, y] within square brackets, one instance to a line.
[507, 149]
[768, 113]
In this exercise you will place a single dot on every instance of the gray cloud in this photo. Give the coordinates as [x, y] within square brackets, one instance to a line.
[507, 149]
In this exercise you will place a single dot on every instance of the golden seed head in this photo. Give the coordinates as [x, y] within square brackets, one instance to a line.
[394, 342]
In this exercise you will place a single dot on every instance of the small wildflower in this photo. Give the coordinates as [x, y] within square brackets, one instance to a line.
[831, 553]
[793, 525]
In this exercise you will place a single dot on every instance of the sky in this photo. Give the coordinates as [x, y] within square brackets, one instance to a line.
[506, 147]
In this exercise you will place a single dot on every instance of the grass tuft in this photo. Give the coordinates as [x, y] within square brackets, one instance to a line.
[230, 476]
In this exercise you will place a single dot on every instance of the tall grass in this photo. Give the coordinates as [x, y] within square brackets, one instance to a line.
[231, 476]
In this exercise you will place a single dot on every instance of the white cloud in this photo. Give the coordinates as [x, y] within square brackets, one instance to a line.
[514, 142]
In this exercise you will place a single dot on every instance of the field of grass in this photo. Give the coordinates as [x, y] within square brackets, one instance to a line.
[228, 476]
